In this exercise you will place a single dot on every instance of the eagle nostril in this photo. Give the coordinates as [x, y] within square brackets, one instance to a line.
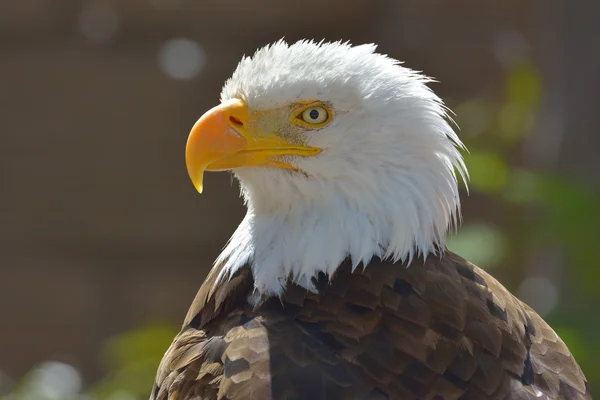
[235, 121]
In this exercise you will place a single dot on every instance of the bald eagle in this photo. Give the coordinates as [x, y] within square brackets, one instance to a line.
[337, 284]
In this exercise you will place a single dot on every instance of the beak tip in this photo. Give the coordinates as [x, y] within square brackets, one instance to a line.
[197, 181]
[197, 177]
[198, 185]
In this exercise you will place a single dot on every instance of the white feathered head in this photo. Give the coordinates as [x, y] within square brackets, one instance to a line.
[340, 151]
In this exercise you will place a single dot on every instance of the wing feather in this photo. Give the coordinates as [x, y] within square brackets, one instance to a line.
[442, 329]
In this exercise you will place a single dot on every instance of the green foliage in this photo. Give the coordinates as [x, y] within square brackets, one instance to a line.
[572, 215]
[132, 359]
[480, 243]
[488, 171]
[523, 91]
[554, 212]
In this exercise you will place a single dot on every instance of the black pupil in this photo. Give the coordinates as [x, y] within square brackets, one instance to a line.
[314, 114]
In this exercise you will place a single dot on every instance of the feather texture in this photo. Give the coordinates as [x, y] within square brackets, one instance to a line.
[384, 185]
[442, 329]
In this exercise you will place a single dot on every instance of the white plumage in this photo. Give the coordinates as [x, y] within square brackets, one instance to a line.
[384, 184]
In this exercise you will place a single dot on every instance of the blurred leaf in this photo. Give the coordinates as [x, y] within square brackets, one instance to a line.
[133, 358]
[570, 217]
[514, 121]
[523, 93]
[147, 342]
[480, 243]
[488, 171]
[523, 86]
[573, 219]
[522, 187]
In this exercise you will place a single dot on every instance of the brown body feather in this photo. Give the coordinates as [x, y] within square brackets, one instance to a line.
[443, 329]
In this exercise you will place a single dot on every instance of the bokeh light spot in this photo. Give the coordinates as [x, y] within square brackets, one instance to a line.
[54, 380]
[98, 21]
[539, 293]
[482, 244]
[510, 47]
[181, 58]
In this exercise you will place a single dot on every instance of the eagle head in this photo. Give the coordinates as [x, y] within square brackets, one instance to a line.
[340, 152]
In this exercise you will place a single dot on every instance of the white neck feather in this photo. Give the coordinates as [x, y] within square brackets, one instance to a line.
[297, 227]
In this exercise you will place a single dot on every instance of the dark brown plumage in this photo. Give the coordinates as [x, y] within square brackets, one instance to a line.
[442, 329]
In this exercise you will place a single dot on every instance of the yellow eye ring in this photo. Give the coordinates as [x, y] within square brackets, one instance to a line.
[314, 116]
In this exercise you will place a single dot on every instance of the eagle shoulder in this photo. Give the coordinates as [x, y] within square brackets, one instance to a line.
[442, 328]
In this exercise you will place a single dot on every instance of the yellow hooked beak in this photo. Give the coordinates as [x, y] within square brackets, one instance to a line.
[220, 140]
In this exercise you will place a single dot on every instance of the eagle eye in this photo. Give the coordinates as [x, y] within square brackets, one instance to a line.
[314, 116]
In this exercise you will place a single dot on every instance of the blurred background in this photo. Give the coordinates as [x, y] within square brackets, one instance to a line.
[104, 242]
